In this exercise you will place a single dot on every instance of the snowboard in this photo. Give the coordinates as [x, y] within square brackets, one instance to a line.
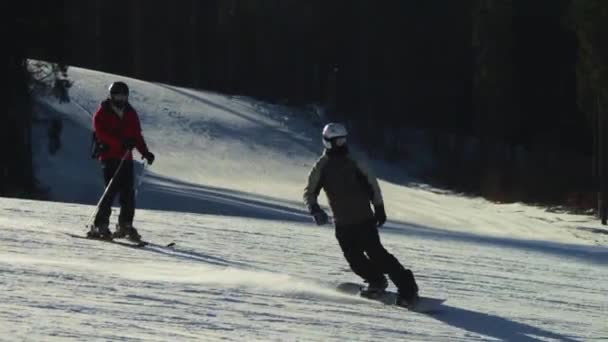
[428, 305]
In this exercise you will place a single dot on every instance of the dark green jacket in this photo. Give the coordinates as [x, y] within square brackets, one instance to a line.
[349, 185]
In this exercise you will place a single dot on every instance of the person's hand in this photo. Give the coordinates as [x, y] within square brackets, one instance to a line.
[128, 143]
[319, 215]
[320, 218]
[379, 215]
[149, 157]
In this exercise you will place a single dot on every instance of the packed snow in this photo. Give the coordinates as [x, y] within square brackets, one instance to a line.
[249, 264]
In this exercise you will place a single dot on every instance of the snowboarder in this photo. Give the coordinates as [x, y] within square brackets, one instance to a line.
[118, 131]
[350, 187]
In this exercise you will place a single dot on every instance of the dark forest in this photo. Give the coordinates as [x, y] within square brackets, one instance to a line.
[512, 94]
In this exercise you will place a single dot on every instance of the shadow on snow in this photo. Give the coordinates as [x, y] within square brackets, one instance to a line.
[595, 254]
[161, 193]
[494, 326]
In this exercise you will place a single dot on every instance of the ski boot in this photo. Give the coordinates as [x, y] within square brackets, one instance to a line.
[100, 231]
[375, 288]
[127, 230]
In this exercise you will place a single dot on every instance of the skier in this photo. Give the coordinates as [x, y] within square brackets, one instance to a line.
[118, 131]
[350, 187]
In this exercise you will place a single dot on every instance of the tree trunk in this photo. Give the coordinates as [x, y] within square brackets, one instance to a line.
[233, 42]
[195, 44]
[170, 50]
[602, 162]
[98, 35]
[136, 24]
[493, 93]
[364, 58]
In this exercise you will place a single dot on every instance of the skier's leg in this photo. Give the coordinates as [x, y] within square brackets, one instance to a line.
[102, 219]
[349, 238]
[127, 205]
[127, 194]
[387, 263]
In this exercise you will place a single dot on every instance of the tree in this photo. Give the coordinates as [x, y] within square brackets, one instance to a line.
[36, 33]
[589, 20]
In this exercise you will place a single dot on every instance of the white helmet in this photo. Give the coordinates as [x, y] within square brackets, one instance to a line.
[334, 135]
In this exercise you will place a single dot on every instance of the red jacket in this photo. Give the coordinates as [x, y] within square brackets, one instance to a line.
[111, 131]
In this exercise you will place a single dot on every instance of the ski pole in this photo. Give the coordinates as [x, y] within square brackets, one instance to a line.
[105, 192]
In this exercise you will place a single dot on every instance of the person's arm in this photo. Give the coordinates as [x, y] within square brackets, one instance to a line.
[312, 190]
[376, 194]
[372, 182]
[314, 185]
[140, 142]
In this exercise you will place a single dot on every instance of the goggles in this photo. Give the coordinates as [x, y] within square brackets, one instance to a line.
[334, 142]
[119, 97]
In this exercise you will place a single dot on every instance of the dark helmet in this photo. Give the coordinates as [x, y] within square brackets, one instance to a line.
[119, 93]
[119, 88]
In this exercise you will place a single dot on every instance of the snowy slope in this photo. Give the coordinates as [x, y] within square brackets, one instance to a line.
[216, 151]
[226, 187]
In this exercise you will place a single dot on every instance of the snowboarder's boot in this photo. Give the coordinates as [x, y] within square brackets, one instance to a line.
[127, 230]
[100, 231]
[407, 301]
[375, 288]
[407, 289]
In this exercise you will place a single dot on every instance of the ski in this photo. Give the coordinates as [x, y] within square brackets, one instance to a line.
[169, 245]
[126, 243]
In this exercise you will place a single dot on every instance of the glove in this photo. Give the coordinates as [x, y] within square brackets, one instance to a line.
[319, 215]
[128, 143]
[379, 215]
[149, 157]
[320, 218]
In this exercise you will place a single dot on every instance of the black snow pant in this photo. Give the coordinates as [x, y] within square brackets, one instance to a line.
[122, 186]
[367, 257]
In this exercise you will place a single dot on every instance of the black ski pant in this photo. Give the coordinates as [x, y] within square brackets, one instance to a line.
[367, 257]
[122, 186]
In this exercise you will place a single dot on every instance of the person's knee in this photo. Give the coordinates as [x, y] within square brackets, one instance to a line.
[127, 199]
[354, 256]
[378, 252]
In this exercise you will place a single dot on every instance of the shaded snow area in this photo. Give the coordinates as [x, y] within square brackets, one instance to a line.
[249, 265]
